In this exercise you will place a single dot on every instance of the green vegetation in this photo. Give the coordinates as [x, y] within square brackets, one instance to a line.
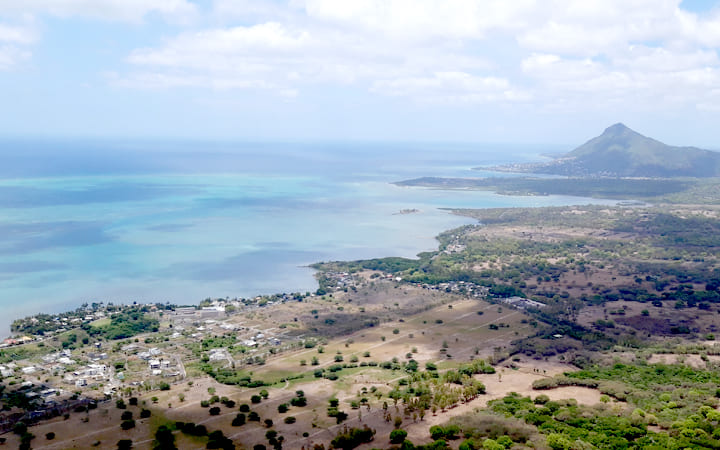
[350, 438]
[618, 188]
[124, 324]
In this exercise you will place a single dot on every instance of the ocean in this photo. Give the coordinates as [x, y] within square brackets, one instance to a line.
[163, 221]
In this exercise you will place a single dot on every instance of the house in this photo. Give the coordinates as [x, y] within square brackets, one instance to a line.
[80, 382]
[154, 364]
[5, 372]
[48, 392]
[217, 356]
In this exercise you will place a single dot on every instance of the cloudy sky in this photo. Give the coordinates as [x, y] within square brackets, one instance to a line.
[546, 71]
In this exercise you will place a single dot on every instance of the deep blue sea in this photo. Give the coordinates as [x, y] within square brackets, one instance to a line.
[85, 221]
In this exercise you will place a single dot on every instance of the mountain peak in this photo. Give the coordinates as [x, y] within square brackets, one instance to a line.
[616, 129]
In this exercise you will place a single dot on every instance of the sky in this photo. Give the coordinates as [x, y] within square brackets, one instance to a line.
[521, 71]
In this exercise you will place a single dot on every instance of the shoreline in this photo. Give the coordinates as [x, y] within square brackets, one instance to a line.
[448, 210]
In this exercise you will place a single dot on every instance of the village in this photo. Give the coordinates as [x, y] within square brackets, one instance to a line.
[60, 376]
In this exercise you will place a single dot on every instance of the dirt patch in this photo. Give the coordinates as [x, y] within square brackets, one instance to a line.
[695, 361]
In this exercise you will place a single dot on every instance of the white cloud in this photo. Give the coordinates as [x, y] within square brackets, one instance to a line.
[16, 34]
[11, 56]
[452, 87]
[14, 40]
[258, 10]
[285, 56]
[422, 19]
[578, 54]
[114, 10]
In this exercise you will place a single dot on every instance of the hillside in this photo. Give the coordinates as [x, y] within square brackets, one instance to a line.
[622, 152]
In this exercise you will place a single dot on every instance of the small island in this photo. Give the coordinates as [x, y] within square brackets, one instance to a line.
[403, 212]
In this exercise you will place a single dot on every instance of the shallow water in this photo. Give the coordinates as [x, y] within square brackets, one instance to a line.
[179, 222]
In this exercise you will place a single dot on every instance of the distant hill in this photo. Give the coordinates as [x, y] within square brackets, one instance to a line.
[622, 152]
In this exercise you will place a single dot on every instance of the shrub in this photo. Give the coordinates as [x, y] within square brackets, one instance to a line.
[214, 411]
[127, 424]
[353, 437]
[144, 413]
[126, 415]
[244, 407]
[50, 436]
[397, 436]
[164, 438]
[290, 420]
[447, 432]
[255, 399]
[239, 420]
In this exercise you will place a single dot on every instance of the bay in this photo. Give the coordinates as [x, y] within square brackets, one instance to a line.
[163, 221]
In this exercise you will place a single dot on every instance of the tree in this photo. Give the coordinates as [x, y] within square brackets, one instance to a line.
[164, 439]
[124, 444]
[214, 411]
[255, 399]
[20, 428]
[239, 420]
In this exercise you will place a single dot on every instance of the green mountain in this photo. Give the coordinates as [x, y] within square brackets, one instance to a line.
[622, 152]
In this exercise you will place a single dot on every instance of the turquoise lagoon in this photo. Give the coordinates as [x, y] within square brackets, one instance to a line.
[179, 222]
